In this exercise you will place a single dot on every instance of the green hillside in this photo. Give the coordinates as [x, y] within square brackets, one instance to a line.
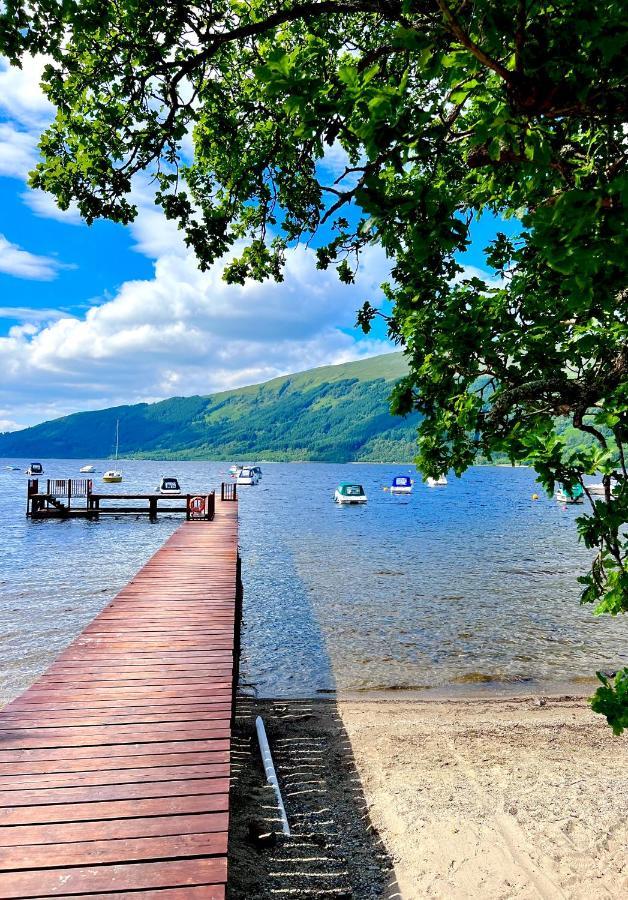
[335, 413]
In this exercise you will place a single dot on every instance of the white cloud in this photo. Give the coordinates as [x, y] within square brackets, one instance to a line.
[43, 205]
[186, 332]
[21, 97]
[31, 314]
[154, 235]
[28, 113]
[22, 264]
[18, 151]
[469, 272]
[9, 425]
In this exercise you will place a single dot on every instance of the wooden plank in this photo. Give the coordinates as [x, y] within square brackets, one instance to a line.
[109, 735]
[61, 882]
[117, 791]
[114, 766]
[82, 763]
[86, 719]
[130, 775]
[120, 703]
[206, 892]
[119, 829]
[120, 809]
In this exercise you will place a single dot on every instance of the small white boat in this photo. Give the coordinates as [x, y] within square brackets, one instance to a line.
[35, 468]
[401, 484]
[349, 493]
[598, 489]
[247, 475]
[87, 470]
[436, 482]
[12, 468]
[169, 487]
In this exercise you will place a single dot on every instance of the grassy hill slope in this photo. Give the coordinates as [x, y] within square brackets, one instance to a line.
[334, 413]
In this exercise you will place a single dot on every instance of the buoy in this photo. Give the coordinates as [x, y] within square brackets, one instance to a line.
[535, 496]
[385, 489]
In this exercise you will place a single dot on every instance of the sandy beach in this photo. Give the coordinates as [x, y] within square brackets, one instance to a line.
[490, 798]
[502, 798]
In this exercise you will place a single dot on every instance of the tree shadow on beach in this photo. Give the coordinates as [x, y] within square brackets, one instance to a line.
[334, 849]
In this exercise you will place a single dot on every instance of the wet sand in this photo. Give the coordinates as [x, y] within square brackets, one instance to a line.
[483, 798]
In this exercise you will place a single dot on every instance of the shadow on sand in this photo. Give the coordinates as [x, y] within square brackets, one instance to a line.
[334, 851]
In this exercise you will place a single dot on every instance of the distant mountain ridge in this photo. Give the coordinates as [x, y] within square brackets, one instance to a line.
[330, 414]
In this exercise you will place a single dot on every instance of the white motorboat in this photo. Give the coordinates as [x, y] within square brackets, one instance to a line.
[87, 470]
[35, 468]
[114, 476]
[12, 468]
[401, 484]
[169, 486]
[349, 493]
[597, 489]
[248, 476]
[436, 482]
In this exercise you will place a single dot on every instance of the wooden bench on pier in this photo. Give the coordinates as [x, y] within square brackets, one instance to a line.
[114, 765]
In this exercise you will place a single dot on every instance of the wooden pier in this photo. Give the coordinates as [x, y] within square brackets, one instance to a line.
[114, 765]
[75, 498]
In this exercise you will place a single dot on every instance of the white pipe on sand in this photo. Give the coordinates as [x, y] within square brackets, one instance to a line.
[269, 768]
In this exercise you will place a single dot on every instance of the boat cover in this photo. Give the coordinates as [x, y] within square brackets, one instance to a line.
[574, 492]
[350, 490]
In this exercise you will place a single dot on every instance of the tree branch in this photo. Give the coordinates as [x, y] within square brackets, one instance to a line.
[456, 28]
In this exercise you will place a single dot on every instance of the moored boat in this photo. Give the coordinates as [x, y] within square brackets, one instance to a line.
[87, 470]
[599, 490]
[35, 468]
[114, 476]
[169, 486]
[401, 484]
[573, 494]
[436, 482]
[349, 493]
[247, 475]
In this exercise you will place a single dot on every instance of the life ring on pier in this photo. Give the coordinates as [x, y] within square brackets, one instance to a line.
[197, 506]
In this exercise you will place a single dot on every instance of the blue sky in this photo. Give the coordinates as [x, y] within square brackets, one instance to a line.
[97, 316]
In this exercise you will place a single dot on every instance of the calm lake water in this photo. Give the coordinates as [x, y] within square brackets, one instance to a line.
[466, 587]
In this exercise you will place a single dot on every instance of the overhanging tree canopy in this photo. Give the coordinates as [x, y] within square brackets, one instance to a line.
[446, 111]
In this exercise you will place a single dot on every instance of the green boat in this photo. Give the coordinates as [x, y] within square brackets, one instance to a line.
[348, 492]
[573, 494]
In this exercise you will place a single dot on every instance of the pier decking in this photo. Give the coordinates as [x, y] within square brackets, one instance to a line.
[114, 765]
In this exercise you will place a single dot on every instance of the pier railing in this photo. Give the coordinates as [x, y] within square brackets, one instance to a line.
[69, 487]
[228, 491]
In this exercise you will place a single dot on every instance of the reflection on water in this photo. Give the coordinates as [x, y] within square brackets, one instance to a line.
[472, 584]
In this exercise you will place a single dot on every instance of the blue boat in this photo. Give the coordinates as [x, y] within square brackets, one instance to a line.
[401, 484]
